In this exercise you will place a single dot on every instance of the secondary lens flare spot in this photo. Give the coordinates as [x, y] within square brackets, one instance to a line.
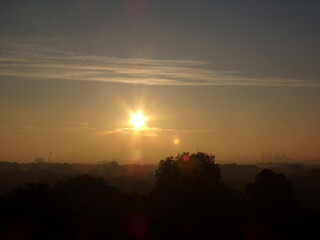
[138, 120]
[176, 141]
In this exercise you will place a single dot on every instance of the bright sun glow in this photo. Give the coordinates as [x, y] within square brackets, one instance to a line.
[138, 120]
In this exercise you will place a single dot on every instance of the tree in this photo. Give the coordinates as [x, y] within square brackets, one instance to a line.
[187, 169]
[190, 201]
[271, 196]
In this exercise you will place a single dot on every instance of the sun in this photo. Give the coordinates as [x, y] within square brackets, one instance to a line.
[138, 120]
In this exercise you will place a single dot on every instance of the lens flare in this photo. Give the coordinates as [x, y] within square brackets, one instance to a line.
[176, 141]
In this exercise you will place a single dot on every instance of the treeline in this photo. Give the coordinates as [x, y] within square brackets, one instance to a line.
[129, 177]
[187, 199]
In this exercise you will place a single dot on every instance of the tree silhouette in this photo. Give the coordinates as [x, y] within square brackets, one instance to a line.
[271, 194]
[29, 212]
[190, 201]
[271, 200]
[91, 207]
[186, 170]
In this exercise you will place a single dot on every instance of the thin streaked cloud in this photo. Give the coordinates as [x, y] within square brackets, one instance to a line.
[38, 59]
[17, 128]
[146, 131]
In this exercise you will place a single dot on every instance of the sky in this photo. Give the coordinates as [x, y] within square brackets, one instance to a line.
[231, 78]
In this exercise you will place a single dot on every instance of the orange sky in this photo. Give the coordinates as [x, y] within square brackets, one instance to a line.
[233, 78]
[80, 121]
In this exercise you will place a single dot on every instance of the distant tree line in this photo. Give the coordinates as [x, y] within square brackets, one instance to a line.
[188, 200]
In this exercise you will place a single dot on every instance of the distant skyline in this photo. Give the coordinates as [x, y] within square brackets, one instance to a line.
[232, 78]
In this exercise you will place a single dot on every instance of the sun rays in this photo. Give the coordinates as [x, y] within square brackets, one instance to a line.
[138, 120]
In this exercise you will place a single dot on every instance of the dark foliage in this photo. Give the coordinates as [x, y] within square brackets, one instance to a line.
[189, 201]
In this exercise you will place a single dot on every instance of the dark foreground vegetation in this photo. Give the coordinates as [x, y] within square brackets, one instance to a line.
[186, 197]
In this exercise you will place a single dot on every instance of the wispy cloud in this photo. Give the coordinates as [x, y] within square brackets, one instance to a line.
[37, 58]
[82, 127]
[151, 131]
[17, 128]
[132, 131]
